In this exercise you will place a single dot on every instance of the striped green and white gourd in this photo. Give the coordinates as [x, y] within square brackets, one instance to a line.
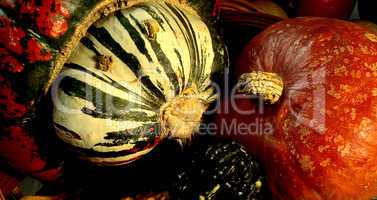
[139, 75]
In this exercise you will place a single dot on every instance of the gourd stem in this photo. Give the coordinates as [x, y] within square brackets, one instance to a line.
[267, 85]
[180, 117]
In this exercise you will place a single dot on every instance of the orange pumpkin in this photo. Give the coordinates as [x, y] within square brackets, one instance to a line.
[320, 74]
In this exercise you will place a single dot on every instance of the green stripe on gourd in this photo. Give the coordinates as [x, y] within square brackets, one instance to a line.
[139, 75]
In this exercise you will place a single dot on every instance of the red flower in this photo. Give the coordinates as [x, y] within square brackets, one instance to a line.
[11, 35]
[35, 52]
[9, 63]
[50, 17]
[9, 108]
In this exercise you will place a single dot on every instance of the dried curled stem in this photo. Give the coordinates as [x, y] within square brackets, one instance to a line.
[180, 118]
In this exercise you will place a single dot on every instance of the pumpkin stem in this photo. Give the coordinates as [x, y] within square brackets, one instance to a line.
[181, 117]
[267, 85]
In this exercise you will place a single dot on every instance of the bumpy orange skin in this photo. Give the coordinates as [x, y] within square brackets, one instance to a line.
[324, 145]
